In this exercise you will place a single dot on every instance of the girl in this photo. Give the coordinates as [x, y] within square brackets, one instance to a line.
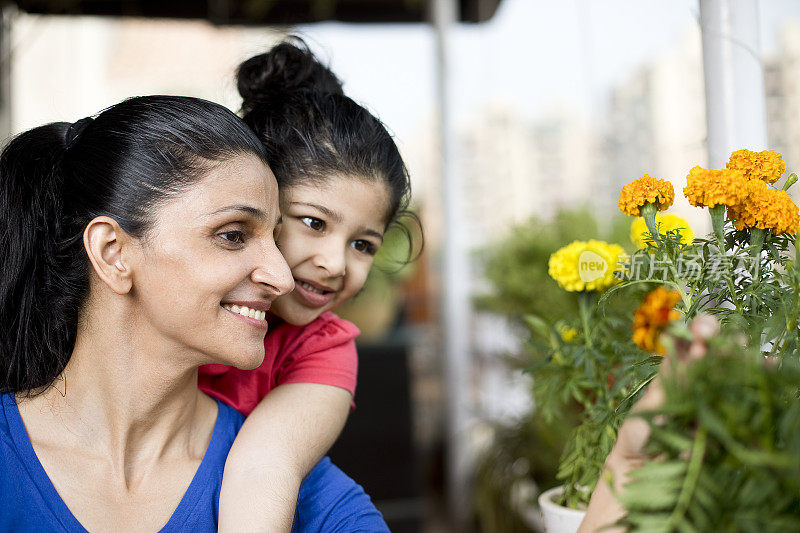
[342, 183]
[123, 259]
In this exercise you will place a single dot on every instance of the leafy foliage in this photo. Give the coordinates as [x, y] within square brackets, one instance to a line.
[727, 443]
[600, 371]
[516, 267]
[521, 289]
[525, 450]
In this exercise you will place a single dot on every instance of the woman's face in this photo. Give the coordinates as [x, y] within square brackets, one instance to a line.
[330, 235]
[209, 258]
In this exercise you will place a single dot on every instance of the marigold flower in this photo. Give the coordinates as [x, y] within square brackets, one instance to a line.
[765, 208]
[709, 187]
[650, 319]
[646, 189]
[766, 166]
[665, 223]
[567, 333]
[585, 265]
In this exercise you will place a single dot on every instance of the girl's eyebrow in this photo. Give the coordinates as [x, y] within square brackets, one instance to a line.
[375, 234]
[333, 215]
[336, 217]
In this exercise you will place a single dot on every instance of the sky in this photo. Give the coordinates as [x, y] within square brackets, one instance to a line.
[533, 54]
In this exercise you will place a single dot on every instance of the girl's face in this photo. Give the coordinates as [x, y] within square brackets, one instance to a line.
[211, 256]
[330, 235]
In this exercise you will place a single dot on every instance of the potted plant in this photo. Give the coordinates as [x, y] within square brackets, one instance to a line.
[590, 361]
[524, 452]
[725, 444]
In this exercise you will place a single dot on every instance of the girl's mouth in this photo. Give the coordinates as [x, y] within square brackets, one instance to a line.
[311, 294]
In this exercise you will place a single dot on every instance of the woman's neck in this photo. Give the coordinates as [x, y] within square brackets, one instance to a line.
[128, 397]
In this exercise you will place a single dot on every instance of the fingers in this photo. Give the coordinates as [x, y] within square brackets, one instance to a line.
[703, 327]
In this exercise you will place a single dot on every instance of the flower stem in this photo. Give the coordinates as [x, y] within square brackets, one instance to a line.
[690, 481]
[649, 210]
[585, 303]
[718, 223]
[756, 245]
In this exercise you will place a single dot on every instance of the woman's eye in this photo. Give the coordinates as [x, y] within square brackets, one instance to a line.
[363, 246]
[314, 223]
[235, 237]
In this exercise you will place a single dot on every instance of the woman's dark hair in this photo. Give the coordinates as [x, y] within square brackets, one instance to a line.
[312, 131]
[55, 179]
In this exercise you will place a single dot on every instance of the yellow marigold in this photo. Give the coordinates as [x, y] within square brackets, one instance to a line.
[765, 208]
[665, 223]
[646, 189]
[585, 265]
[766, 166]
[567, 333]
[650, 319]
[709, 187]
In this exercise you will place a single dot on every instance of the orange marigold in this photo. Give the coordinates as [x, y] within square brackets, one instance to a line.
[646, 189]
[709, 187]
[765, 208]
[766, 166]
[650, 319]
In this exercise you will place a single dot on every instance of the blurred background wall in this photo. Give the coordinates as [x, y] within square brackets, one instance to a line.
[556, 105]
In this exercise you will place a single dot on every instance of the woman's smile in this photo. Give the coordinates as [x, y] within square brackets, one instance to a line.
[251, 315]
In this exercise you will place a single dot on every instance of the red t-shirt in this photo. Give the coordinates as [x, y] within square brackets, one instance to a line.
[323, 351]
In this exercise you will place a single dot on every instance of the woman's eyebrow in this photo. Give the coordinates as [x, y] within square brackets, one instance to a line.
[246, 209]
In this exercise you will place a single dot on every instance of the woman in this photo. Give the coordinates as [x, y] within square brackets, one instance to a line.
[127, 239]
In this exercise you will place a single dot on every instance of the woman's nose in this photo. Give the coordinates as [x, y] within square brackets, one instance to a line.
[274, 272]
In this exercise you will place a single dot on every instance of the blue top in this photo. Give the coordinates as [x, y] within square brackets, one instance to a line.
[329, 501]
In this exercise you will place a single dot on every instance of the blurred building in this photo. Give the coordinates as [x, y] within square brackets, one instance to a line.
[512, 168]
[782, 85]
[65, 68]
[656, 124]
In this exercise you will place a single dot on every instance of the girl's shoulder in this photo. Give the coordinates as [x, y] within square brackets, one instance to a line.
[326, 330]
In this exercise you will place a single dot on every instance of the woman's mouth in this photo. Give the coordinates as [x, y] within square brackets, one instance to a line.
[313, 295]
[252, 316]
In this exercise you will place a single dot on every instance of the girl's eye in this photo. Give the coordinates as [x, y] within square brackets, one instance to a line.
[234, 237]
[314, 223]
[363, 246]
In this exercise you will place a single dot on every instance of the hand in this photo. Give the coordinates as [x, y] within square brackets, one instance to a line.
[634, 432]
[628, 451]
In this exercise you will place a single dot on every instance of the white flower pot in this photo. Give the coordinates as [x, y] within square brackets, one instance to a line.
[557, 518]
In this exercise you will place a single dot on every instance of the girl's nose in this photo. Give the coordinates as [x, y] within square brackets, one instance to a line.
[332, 259]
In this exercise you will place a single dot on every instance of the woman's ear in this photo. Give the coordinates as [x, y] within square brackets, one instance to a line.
[106, 243]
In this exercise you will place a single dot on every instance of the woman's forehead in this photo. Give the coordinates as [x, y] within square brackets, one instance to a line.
[243, 180]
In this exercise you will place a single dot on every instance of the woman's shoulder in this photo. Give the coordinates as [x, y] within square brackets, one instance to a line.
[229, 420]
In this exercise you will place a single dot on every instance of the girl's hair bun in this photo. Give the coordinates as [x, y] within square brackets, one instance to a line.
[287, 68]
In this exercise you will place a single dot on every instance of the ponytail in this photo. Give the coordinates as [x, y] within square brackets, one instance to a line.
[36, 322]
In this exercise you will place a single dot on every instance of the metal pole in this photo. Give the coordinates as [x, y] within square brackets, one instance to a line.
[455, 281]
[7, 14]
[736, 113]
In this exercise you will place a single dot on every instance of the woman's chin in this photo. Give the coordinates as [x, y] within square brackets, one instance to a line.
[244, 361]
